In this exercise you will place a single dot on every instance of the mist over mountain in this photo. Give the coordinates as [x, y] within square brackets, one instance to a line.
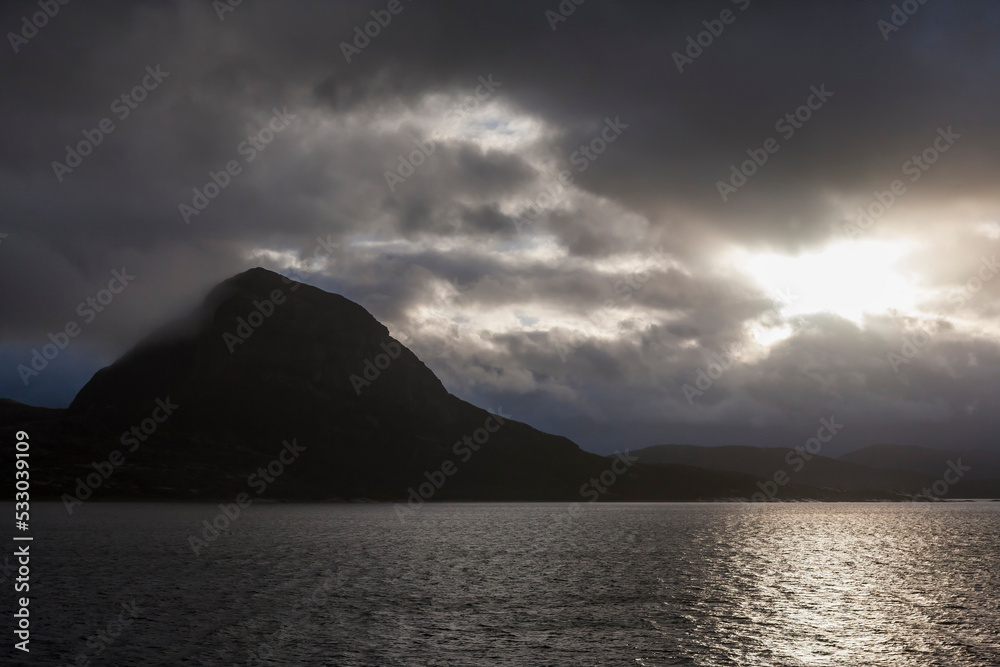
[198, 406]
[278, 387]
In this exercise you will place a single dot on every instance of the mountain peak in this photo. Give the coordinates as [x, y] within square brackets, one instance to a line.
[257, 279]
[257, 329]
[258, 275]
[267, 359]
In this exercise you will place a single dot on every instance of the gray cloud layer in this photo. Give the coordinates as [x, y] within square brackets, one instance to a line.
[588, 317]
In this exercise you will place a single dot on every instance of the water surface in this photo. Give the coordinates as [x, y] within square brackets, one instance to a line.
[520, 584]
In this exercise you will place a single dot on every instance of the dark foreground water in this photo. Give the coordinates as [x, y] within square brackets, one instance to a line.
[517, 584]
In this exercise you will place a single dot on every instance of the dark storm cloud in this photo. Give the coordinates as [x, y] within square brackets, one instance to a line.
[446, 238]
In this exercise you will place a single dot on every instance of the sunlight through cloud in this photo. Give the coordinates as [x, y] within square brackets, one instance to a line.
[845, 279]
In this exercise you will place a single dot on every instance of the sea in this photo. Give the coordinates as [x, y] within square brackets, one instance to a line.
[496, 584]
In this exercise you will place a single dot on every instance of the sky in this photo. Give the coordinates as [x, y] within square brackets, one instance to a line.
[630, 223]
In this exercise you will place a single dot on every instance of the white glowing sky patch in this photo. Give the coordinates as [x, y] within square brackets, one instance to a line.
[286, 259]
[495, 128]
[655, 260]
[990, 230]
[490, 124]
[444, 314]
[849, 279]
[522, 251]
[769, 336]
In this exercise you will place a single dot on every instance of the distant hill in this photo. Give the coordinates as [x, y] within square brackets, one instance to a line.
[932, 462]
[818, 471]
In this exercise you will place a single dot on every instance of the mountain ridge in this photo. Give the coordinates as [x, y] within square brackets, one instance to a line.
[202, 402]
[983, 464]
[265, 360]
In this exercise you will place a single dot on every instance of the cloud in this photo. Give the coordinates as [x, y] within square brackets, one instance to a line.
[507, 247]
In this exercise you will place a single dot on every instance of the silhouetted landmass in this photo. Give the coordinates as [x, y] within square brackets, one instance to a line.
[821, 472]
[316, 369]
[801, 467]
[982, 464]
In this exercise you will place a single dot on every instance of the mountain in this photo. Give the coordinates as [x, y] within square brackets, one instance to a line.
[276, 389]
[267, 368]
[806, 469]
[981, 464]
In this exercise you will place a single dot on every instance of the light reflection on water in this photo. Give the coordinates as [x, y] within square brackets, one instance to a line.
[517, 584]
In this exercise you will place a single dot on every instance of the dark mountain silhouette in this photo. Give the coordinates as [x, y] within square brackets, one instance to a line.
[814, 470]
[201, 408]
[810, 469]
[266, 360]
[982, 464]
